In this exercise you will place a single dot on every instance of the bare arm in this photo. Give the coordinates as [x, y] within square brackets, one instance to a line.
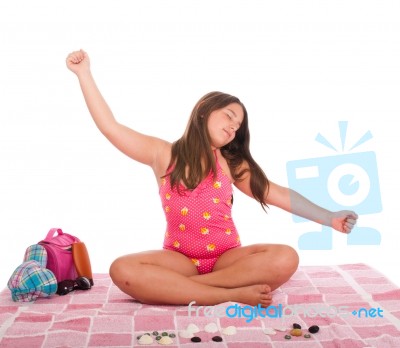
[140, 147]
[291, 201]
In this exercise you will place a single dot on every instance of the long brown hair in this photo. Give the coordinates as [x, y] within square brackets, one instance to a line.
[192, 157]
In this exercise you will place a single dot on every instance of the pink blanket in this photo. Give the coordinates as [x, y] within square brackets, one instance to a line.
[353, 305]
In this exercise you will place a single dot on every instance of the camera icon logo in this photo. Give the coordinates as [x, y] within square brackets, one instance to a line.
[343, 181]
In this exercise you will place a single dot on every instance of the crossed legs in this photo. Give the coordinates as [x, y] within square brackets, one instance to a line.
[244, 274]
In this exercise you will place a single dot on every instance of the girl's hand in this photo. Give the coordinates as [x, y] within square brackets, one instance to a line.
[78, 62]
[344, 220]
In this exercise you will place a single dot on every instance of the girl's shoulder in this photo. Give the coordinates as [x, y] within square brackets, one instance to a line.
[163, 159]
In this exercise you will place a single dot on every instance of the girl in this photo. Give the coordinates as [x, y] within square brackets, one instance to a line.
[202, 259]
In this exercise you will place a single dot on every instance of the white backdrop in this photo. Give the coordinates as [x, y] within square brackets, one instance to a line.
[300, 67]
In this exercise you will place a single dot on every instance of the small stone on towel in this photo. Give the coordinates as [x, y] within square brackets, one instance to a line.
[217, 339]
[313, 329]
[296, 332]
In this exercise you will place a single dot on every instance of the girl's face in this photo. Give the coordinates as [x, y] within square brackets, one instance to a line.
[223, 124]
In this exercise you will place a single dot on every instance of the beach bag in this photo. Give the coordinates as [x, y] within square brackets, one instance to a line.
[59, 254]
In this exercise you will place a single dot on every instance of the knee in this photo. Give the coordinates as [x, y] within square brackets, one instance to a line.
[289, 260]
[114, 270]
[118, 270]
[284, 262]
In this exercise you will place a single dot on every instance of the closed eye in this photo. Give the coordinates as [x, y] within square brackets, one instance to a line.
[238, 124]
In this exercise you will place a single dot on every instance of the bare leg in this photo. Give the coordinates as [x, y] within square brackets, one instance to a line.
[271, 264]
[164, 277]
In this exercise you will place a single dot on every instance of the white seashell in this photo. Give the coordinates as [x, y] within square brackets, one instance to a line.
[186, 334]
[281, 329]
[165, 340]
[269, 331]
[211, 328]
[230, 330]
[145, 339]
[193, 328]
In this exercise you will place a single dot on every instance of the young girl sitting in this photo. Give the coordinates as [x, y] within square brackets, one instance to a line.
[202, 259]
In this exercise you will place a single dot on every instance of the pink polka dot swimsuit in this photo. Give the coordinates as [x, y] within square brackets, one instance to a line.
[199, 222]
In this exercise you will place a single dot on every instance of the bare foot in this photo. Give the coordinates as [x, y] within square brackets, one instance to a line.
[253, 295]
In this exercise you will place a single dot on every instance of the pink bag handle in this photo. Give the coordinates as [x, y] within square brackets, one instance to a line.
[50, 235]
[65, 238]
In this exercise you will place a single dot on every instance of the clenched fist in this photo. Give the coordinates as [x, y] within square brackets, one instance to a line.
[78, 62]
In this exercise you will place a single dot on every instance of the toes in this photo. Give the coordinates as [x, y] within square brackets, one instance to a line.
[266, 297]
[265, 289]
[265, 302]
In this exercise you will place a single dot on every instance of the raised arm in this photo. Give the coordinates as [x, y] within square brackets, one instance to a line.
[140, 147]
[297, 204]
[291, 201]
